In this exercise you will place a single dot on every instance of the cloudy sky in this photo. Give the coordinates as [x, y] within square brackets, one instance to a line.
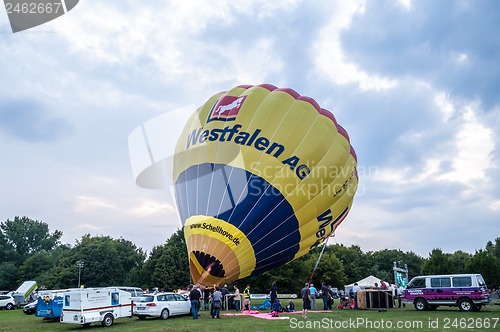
[415, 83]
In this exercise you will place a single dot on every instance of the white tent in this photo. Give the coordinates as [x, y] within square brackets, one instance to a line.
[367, 282]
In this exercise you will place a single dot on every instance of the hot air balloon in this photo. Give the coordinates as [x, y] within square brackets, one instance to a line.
[262, 176]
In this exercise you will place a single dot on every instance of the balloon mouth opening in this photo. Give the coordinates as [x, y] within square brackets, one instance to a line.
[210, 264]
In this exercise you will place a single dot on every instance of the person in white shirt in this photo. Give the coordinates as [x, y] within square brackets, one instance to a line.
[355, 290]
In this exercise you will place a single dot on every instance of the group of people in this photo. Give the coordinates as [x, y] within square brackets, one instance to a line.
[397, 292]
[215, 299]
[310, 294]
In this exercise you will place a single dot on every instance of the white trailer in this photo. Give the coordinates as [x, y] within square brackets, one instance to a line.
[22, 294]
[104, 305]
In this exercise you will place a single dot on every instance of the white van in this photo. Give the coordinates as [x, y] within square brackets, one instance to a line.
[468, 292]
[134, 291]
[91, 305]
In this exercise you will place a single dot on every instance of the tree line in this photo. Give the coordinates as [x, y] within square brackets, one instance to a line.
[30, 251]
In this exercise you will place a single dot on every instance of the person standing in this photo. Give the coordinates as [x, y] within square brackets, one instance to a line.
[306, 300]
[216, 303]
[206, 298]
[330, 297]
[224, 292]
[324, 295]
[195, 296]
[236, 298]
[273, 293]
[313, 292]
[355, 290]
[398, 292]
[246, 298]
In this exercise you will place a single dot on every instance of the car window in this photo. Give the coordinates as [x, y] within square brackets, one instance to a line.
[161, 297]
[462, 281]
[179, 297]
[147, 298]
[441, 282]
[480, 280]
[170, 297]
[417, 283]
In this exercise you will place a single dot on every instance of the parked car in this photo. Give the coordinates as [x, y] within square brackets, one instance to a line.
[30, 308]
[161, 305]
[468, 292]
[7, 302]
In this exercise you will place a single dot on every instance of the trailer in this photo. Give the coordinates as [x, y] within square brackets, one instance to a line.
[104, 305]
[50, 303]
[22, 294]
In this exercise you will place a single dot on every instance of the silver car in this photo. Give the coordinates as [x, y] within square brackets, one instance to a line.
[161, 305]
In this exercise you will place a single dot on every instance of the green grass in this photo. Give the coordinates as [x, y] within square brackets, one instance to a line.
[16, 320]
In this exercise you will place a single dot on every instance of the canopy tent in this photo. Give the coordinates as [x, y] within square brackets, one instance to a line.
[367, 282]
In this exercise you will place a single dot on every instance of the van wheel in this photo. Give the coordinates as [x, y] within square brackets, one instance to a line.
[164, 314]
[108, 320]
[9, 306]
[420, 304]
[466, 305]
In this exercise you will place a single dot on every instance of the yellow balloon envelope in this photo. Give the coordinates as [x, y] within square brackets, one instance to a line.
[262, 176]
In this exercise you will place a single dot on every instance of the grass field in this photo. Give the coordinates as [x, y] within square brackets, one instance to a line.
[407, 319]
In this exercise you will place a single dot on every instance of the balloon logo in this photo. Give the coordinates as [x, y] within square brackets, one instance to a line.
[262, 176]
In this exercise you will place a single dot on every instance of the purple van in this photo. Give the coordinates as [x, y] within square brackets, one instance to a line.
[468, 292]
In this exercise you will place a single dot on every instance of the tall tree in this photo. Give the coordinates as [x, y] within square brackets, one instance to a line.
[356, 265]
[458, 261]
[36, 266]
[107, 262]
[7, 254]
[494, 248]
[330, 270]
[8, 276]
[26, 236]
[438, 263]
[168, 264]
[382, 263]
[487, 265]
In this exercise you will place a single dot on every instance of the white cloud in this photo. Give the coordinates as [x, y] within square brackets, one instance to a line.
[330, 60]
[149, 207]
[90, 228]
[444, 104]
[474, 143]
[406, 4]
[86, 203]
[495, 205]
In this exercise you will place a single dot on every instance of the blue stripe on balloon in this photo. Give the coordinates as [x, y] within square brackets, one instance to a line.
[246, 201]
